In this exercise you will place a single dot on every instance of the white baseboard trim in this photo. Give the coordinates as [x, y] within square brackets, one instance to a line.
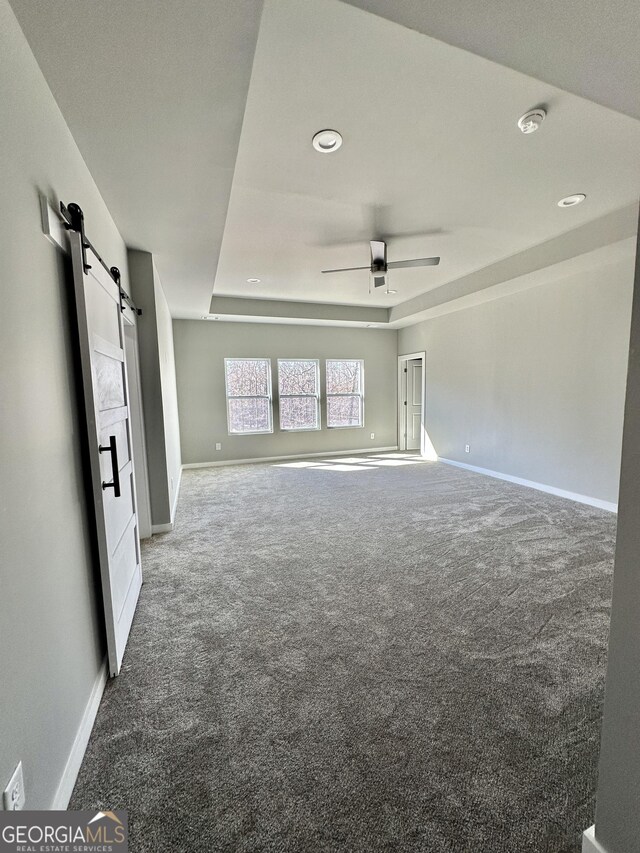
[589, 842]
[74, 761]
[541, 487]
[175, 497]
[328, 453]
[162, 528]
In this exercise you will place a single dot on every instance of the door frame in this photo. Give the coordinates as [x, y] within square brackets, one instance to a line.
[402, 410]
[136, 415]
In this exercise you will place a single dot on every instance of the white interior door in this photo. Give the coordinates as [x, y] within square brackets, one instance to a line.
[106, 393]
[414, 404]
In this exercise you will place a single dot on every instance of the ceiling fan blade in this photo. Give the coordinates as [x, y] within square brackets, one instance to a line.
[378, 253]
[416, 262]
[346, 269]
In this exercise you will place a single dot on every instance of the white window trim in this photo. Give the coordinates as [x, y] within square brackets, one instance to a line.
[350, 394]
[268, 396]
[297, 396]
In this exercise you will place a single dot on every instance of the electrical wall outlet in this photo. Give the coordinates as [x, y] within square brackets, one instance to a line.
[218, 446]
[467, 448]
[373, 435]
[14, 797]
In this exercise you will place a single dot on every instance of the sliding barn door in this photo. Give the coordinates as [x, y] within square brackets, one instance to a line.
[106, 394]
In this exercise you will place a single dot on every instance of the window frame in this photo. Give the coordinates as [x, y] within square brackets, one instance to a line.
[360, 395]
[268, 396]
[317, 396]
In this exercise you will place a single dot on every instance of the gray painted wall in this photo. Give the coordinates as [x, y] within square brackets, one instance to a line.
[617, 813]
[158, 379]
[201, 347]
[51, 631]
[534, 382]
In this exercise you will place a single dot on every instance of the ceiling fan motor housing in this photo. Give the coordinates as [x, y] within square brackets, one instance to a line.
[378, 262]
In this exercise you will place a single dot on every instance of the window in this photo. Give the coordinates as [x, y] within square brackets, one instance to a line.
[298, 389]
[248, 383]
[345, 393]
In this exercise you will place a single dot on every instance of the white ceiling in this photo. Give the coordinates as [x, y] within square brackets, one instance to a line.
[430, 145]
[588, 47]
[154, 94]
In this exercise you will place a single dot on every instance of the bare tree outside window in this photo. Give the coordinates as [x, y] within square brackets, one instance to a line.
[299, 392]
[345, 393]
[248, 384]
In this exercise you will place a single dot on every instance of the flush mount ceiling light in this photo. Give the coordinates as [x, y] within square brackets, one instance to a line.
[531, 120]
[572, 200]
[327, 141]
[253, 281]
[392, 291]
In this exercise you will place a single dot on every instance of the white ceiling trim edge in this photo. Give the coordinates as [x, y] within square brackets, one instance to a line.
[599, 233]
[598, 258]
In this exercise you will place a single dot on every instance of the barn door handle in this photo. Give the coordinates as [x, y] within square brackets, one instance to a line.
[113, 450]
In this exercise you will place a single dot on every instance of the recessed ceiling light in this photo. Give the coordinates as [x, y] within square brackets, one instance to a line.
[327, 141]
[531, 120]
[572, 200]
[253, 281]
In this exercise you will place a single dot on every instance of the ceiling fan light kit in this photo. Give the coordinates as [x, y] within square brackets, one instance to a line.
[378, 279]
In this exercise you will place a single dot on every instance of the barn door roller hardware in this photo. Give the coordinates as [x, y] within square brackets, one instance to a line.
[125, 300]
[74, 221]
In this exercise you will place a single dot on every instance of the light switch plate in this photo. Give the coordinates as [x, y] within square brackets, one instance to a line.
[13, 797]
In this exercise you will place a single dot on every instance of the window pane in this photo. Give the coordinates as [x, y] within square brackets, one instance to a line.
[249, 415]
[247, 377]
[343, 411]
[298, 413]
[298, 377]
[343, 377]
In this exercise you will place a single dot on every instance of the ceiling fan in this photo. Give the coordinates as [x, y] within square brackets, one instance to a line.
[380, 266]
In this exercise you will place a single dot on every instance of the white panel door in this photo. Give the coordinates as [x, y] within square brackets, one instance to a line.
[414, 404]
[106, 394]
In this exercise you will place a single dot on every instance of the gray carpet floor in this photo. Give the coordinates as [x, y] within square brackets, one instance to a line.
[367, 654]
